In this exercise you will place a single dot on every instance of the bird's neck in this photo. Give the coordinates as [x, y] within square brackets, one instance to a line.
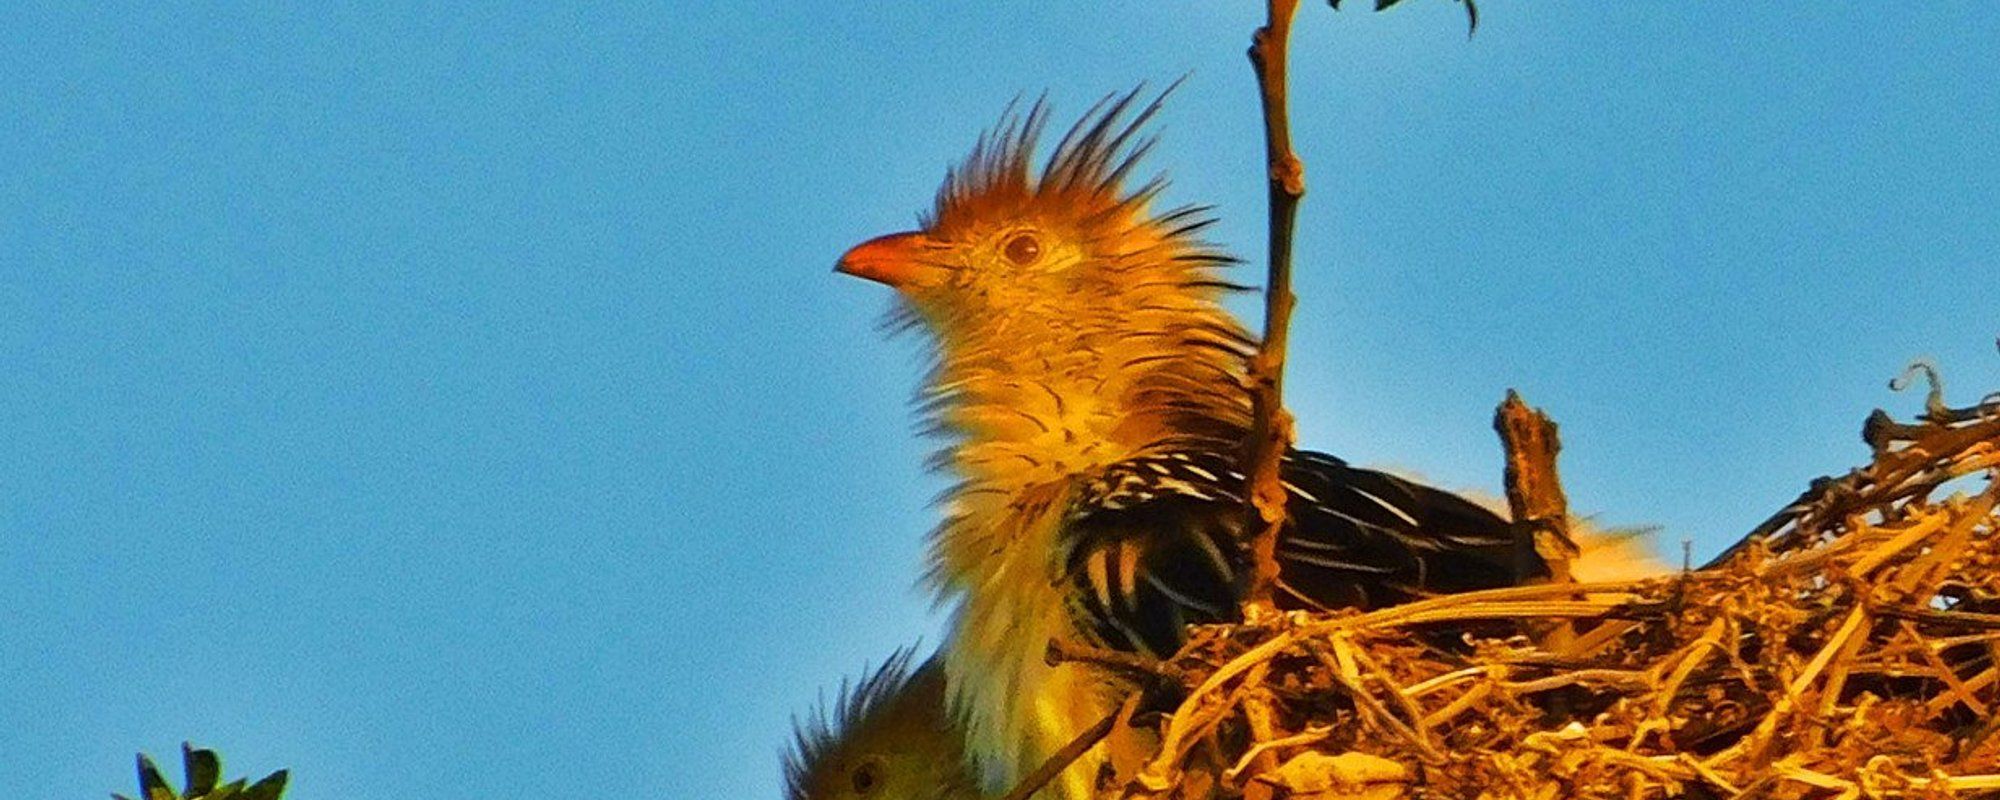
[1055, 403]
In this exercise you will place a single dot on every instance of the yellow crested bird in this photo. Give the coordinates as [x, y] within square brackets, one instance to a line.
[1091, 390]
[887, 737]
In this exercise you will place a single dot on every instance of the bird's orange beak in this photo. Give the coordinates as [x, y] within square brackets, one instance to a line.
[895, 259]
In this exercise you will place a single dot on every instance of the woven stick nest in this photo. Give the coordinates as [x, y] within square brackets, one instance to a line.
[1846, 649]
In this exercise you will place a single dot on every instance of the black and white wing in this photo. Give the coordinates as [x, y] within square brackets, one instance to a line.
[1156, 543]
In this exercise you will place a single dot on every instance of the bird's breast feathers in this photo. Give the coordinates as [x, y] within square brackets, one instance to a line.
[1017, 708]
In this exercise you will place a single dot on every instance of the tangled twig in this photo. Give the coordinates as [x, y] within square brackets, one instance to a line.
[1852, 654]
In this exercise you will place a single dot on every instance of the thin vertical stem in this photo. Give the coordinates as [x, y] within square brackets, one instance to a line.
[1271, 434]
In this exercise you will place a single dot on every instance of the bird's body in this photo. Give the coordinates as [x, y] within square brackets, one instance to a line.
[1091, 387]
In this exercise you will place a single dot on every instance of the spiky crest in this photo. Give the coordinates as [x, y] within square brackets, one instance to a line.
[1083, 178]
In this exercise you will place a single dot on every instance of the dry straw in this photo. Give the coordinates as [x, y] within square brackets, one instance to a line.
[1845, 650]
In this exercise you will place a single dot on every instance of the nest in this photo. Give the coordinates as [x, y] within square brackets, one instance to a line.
[1846, 649]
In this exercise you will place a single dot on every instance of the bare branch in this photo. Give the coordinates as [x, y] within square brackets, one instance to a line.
[1271, 434]
[1534, 491]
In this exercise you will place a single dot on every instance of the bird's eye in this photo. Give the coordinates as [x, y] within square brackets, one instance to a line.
[867, 776]
[1022, 249]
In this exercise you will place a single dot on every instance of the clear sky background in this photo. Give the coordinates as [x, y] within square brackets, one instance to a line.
[457, 402]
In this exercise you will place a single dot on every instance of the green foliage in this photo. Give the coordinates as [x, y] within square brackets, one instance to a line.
[1471, 11]
[203, 769]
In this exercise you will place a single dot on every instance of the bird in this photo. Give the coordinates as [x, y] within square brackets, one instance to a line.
[1091, 393]
[887, 736]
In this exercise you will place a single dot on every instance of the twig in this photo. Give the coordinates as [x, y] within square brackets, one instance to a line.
[1882, 553]
[1754, 745]
[1149, 669]
[1617, 678]
[1842, 665]
[1062, 759]
[1535, 495]
[1959, 690]
[1830, 498]
[1957, 619]
[1931, 565]
[1833, 646]
[1470, 612]
[1185, 730]
[1454, 677]
[1186, 722]
[1482, 604]
[1708, 774]
[1395, 690]
[1691, 657]
[1263, 728]
[1271, 431]
[1312, 734]
[1373, 708]
[1958, 783]
[1940, 703]
[1534, 490]
[1472, 697]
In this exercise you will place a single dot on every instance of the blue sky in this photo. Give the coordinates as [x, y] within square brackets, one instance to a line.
[460, 401]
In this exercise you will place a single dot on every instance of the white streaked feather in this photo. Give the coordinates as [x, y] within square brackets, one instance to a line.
[1334, 563]
[1178, 597]
[1383, 503]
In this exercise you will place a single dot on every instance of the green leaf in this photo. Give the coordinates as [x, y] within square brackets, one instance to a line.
[204, 769]
[270, 788]
[204, 773]
[152, 785]
[226, 792]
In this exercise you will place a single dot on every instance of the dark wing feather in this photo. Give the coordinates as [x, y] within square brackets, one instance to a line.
[1156, 543]
[1149, 554]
